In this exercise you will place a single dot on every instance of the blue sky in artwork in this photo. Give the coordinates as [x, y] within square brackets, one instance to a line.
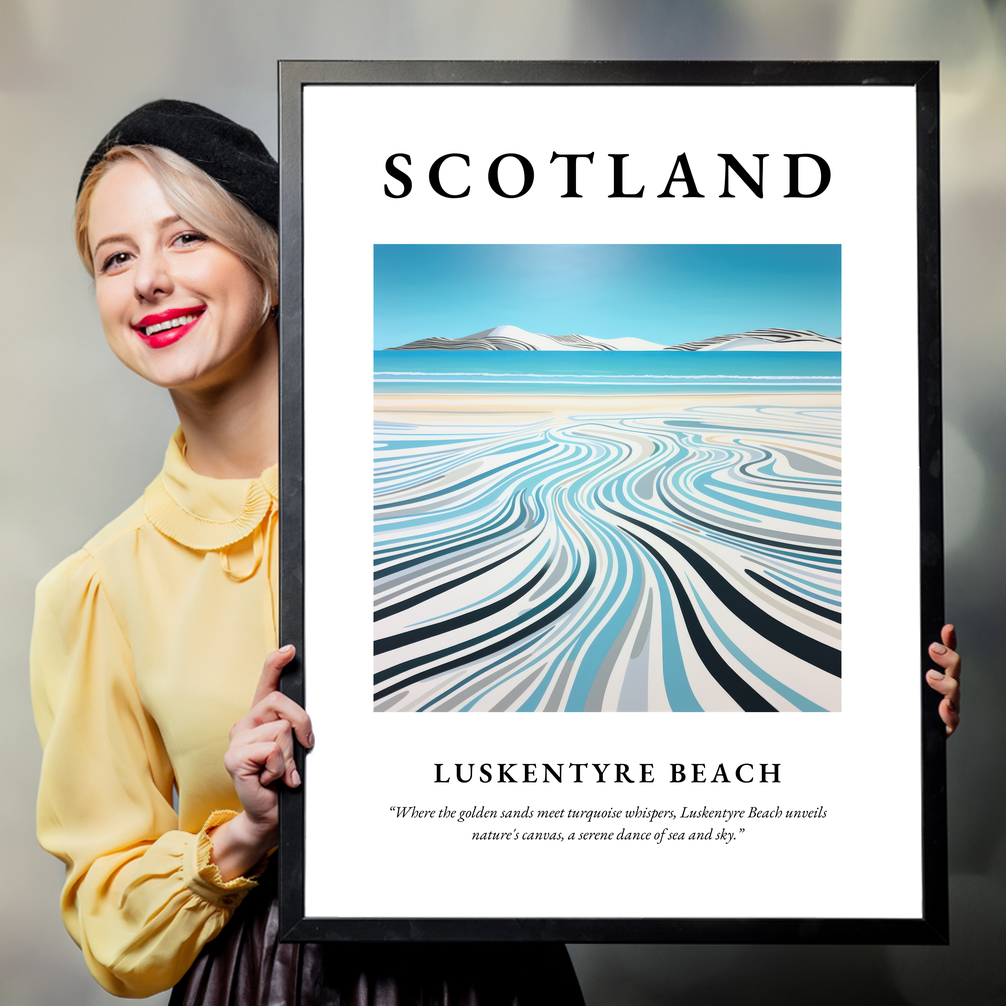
[666, 294]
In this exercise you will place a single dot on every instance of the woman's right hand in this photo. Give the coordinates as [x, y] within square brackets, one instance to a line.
[259, 754]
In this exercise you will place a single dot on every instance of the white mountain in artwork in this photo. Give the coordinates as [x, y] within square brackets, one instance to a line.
[509, 337]
[771, 339]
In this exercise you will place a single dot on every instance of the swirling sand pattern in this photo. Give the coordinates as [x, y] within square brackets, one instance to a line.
[687, 561]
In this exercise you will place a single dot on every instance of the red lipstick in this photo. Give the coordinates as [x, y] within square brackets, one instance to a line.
[165, 332]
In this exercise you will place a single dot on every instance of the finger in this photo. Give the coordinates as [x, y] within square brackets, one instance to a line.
[945, 685]
[948, 659]
[949, 636]
[274, 766]
[950, 716]
[949, 707]
[277, 706]
[260, 760]
[271, 670]
[279, 733]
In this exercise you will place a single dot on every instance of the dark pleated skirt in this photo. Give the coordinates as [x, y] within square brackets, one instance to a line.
[246, 965]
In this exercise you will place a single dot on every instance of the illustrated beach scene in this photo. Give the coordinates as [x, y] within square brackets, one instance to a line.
[607, 478]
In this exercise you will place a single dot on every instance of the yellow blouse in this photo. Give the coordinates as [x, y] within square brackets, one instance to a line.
[147, 647]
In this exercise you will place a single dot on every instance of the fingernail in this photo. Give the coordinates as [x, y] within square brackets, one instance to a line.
[295, 777]
[936, 675]
[938, 648]
[286, 649]
[310, 740]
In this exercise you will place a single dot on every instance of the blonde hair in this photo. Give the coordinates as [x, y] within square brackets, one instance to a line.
[199, 200]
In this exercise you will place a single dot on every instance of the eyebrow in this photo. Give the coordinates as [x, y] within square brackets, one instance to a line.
[111, 238]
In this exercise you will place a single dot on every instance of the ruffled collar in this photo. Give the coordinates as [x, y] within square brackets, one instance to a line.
[203, 513]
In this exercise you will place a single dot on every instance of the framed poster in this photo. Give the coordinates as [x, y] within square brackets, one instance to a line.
[611, 501]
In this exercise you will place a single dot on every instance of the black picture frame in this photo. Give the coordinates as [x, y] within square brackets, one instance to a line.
[931, 924]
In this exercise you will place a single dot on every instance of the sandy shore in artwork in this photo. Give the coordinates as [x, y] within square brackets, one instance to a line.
[607, 553]
[562, 406]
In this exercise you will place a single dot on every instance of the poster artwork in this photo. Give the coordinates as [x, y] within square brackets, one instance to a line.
[607, 478]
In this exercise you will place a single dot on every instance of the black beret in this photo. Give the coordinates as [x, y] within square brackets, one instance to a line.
[230, 154]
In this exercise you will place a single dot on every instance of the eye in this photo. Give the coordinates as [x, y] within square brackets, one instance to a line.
[189, 239]
[115, 261]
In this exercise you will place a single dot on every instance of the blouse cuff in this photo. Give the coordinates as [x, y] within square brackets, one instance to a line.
[202, 876]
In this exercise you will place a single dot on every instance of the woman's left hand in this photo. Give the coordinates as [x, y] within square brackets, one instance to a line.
[948, 681]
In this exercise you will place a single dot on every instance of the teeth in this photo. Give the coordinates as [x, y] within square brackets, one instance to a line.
[174, 323]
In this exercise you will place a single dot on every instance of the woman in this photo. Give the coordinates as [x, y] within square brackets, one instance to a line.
[149, 642]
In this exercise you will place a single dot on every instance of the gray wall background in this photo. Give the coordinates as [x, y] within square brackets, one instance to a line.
[82, 436]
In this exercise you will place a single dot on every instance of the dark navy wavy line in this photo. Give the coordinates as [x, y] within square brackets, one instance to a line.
[411, 602]
[491, 523]
[455, 486]
[768, 542]
[421, 632]
[725, 676]
[527, 630]
[787, 638]
[520, 518]
[818, 609]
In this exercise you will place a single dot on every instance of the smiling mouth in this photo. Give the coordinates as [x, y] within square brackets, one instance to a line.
[165, 325]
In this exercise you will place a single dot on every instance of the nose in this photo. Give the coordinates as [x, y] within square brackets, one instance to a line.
[152, 276]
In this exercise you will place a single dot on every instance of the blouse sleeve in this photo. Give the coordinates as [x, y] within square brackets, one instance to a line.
[141, 898]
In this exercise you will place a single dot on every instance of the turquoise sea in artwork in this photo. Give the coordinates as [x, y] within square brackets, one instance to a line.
[428, 372]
